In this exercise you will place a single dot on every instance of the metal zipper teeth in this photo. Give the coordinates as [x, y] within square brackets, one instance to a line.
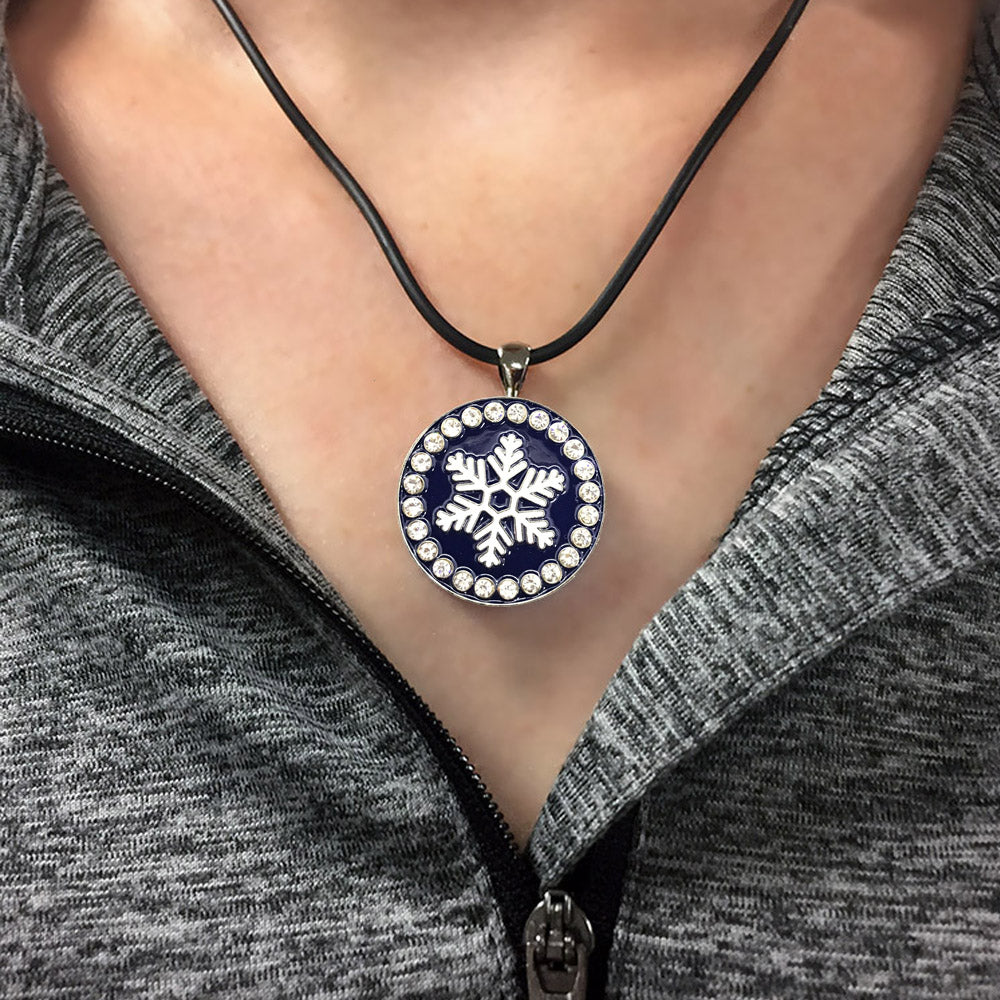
[399, 683]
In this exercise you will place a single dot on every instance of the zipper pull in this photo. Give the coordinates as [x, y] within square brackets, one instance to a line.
[558, 940]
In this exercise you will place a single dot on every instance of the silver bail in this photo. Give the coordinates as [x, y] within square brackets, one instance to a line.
[513, 365]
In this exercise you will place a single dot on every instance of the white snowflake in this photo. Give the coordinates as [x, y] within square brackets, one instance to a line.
[497, 530]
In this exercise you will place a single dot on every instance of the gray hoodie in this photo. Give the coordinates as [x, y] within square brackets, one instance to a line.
[212, 784]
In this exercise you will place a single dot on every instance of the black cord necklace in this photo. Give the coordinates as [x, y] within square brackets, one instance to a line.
[513, 513]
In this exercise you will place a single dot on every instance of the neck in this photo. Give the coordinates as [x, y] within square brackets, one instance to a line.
[452, 35]
[318, 42]
[398, 24]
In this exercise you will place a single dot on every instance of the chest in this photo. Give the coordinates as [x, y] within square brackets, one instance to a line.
[269, 287]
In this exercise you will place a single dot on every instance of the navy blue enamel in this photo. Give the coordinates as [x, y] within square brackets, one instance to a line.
[503, 521]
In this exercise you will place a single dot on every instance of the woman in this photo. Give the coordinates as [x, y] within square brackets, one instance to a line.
[216, 784]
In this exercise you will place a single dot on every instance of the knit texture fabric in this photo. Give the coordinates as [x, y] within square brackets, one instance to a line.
[212, 786]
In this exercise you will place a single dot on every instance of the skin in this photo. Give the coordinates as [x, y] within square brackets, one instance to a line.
[516, 149]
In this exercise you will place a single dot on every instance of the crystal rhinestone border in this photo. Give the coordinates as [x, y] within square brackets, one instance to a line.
[501, 501]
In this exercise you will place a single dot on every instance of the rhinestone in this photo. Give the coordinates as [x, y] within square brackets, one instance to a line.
[584, 469]
[568, 557]
[428, 551]
[588, 515]
[517, 413]
[485, 587]
[589, 492]
[472, 416]
[413, 484]
[551, 572]
[493, 411]
[418, 530]
[451, 427]
[581, 538]
[463, 580]
[434, 442]
[412, 507]
[558, 432]
[538, 420]
[443, 568]
[508, 588]
[421, 462]
[573, 449]
[531, 583]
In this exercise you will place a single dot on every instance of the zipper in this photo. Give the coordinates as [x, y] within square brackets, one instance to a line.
[558, 941]
[555, 943]
[158, 474]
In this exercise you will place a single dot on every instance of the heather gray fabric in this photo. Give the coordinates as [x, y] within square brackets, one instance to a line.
[841, 840]
[205, 790]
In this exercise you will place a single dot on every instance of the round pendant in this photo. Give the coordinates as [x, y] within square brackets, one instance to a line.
[501, 501]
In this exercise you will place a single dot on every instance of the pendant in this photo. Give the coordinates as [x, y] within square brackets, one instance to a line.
[501, 499]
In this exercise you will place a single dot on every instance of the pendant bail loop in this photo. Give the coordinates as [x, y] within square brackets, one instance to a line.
[513, 365]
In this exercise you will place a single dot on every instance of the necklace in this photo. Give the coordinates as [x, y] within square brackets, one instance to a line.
[501, 499]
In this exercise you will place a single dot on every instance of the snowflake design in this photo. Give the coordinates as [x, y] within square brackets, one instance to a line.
[495, 530]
